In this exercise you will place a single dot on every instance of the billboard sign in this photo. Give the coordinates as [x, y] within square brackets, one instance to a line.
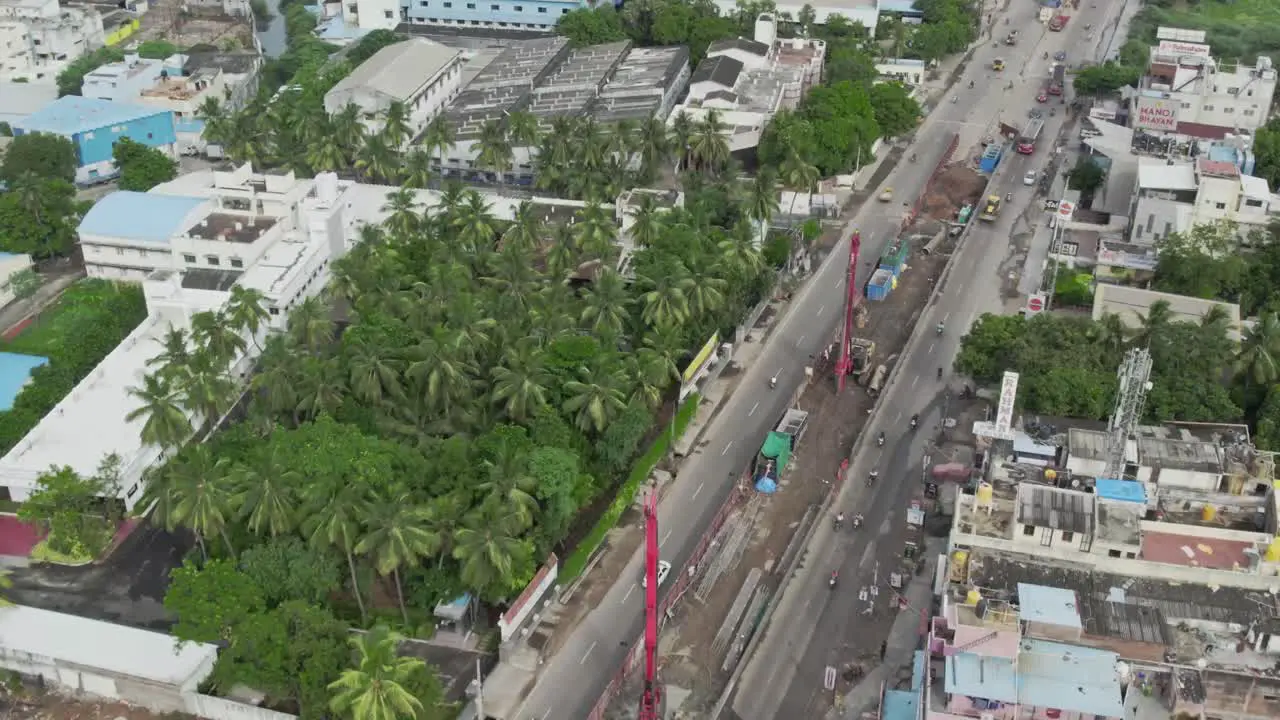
[1180, 34]
[1181, 49]
[1004, 410]
[515, 615]
[1066, 209]
[701, 360]
[1156, 113]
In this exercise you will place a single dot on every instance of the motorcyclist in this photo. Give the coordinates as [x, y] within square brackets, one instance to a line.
[773, 382]
[1046, 54]
[835, 575]
[839, 519]
[913, 157]
[880, 440]
[915, 421]
[857, 520]
[970, 84]
[939, 373]
[941, 327]
[1008, 197]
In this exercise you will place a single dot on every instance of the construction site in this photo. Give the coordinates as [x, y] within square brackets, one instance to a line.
[704, 636]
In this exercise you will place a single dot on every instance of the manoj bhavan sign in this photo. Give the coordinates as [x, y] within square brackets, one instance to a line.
[1155, 113]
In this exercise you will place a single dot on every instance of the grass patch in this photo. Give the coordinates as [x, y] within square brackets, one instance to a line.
[1237, 31]
[577, 562]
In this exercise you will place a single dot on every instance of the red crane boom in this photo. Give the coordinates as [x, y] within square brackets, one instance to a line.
[651, 698]
[844, 365]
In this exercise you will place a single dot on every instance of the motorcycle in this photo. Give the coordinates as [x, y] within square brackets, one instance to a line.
[835, 575]
[915, 421]
[871, 478]
[939, 373]
[880, 440]
[773, 382]
[838, 521]
[941, 327]
[857, 521]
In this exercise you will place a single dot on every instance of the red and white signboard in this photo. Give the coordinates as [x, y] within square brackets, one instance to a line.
[1035, 304]
[519, 611]
[1066, 209]
[1156, 113]
[1175, 47]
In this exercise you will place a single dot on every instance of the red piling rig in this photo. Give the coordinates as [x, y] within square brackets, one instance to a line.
[651, 698]
[844, 366]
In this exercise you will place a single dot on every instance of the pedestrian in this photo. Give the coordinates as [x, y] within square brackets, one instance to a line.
[883, 647]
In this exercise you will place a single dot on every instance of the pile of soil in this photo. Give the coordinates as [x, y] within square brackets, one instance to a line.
[955, 186]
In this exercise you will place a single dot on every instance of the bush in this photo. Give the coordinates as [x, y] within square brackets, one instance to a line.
[87, 323]
[577, 562]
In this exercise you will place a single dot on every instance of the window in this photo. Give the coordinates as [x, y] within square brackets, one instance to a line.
[386, 14]
[424, 3]
[471, 6]
[1248, 113]
[353, 9]
[274, 311]
[237, 263]
[495, 7]
[119, 251]
[212, 260]
[1208, 108]
[1028, 530]
[1113, 553]
[448, 4]
[1131, 556]
[1067, 536]
[189, 259]
[1228, 110]
[88, 135]
[1220, 206]
[542, 10]
[564, 11]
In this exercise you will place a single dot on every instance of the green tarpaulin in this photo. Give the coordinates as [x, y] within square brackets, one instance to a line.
[777, 447]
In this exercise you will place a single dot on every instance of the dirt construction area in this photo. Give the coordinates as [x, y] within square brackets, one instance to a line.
[702, 642]
[955, 186]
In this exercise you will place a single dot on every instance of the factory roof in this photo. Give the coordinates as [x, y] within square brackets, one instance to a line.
[1132, 305]
[1179, 454]
[641, 81]
[505, 83]
[23, 99]
[1044, 506]
[740, 43]
[398, 71]
[144, 217]
[575, 83]
[72, 114]
[721, 70]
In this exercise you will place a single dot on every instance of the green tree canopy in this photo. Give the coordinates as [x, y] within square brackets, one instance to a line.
[895, 110]
[40, 156]
[141, 167]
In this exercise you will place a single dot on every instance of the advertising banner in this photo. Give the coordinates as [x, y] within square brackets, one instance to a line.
[700, 360]
[1155, 113]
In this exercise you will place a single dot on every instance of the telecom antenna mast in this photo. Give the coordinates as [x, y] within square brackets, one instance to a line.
[1131, 396]
[651, 698]
[853, 298]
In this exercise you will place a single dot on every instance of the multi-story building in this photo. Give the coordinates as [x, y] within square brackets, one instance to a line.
[124, 81]
[508, 15]
[38, 38]
[547, 78]
[864, 12]
[1184, 84]
[746, 82]
[94, 126]
[1174, 196]
[422, 75]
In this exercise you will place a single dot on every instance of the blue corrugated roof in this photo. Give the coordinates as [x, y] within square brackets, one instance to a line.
[71, 114]
[1070, 678]
[15, 370]
[900, 705]
[978, 676]
[1121, 490]
[138, 216]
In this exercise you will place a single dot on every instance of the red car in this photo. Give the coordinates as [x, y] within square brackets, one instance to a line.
[1042, 98]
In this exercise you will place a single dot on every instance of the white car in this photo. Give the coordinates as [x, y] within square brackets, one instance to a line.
[1029, 178]
[664, 569]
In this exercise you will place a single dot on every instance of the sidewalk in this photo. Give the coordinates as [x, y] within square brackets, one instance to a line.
[903, 641]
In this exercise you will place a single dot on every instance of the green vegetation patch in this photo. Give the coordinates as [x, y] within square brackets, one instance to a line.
[1236, 30]
[577, 562]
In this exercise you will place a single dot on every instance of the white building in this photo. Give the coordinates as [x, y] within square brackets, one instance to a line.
[189, 241]
[1175, 196]
[866, 12]
[904, 70]
[77, 655]
[371, 14]
[423, 75]
[38, 38]
[1184, 84]
[11, 264]
[124, 81]
[747, 82]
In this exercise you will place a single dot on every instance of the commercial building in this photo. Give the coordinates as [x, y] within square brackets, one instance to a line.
[548, 79]
[508, 15]
[94, 126]
[1185, 85]
[1132, 304]
[124, 81]
[188, 242]
[907, 71]
[747, 82]
[865, 12]
[422, 75]
[39, 38]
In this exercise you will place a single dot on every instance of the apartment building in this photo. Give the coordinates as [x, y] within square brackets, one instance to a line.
[1185, 84]
[424, 76]
[508, 15]
[124, 81]
[38, 38]
[747, 82]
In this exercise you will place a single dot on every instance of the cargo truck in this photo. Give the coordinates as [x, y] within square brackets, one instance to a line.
[1056, 82]
[777, 449]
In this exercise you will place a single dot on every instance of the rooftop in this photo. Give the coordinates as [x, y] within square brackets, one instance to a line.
[981, 676]
[15, 371]
[143, 217]
[23, 99]
[573, 86]
[1066, 510]
[742, 44]
[235, 63]
[1217, 168]
[1120, 490]
[720, 69]
[1071, 678]
[72, 114]
[1196, 550]
[1156, 174]
[1120, 523]
[205, 278]
[230, 227]
[1048, 605]
[1124, 621]
[398, 71]
[1132, 304]
[996, 571]
[1179, 454]
[504, 84]
[642, 79]
[1254, 187]
[900, 705]
[76, 641]
[997, 521]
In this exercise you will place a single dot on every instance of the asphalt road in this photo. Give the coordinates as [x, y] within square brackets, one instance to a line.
[784, 678]
[572, 680]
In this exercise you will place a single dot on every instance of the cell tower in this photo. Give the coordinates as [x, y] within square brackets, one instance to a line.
[1131, 396]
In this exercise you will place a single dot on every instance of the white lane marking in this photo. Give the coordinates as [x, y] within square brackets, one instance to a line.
[866, 555]
[726, 449]
[587, 654]
[663, 541]
[897, 417]
[695, 492]
[930, 350]
[753, 409]
[800, 341]
[629, 591]
[915, 380]
[824, 307]
[546, 714]
[945, 317]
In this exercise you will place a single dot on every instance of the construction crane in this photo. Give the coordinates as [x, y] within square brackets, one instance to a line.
[853, 298]
[1131, 396]
[651, 698]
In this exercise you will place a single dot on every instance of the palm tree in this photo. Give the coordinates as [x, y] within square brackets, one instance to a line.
[1154, 323]
[1259, 356]
[489, 548]
[325, 153]
[508, 481]
[595, 232]
[175, 355]
[217, 125]
[682, 129]
[665, 300]
[377, 688]
[417, 169]
[376, 159]
[440, 372]
[522, 127]
[310, 325]
[596, 400]
[205, 388]
[525, 230]
[166, 424]
[476, 226]
[709, 147]
[396, 535]
[605, 309]
[404, 214]
[494, 151]
[762, 199]
[273, 384]
[331, 520]
[246, 310]
[265, 497]
[738, 251]
[348, 130]
[321, 388]
[218, 336]
[520, 382]
[655, 148]
[646, 222]
[797, 174]
[1112, 334]
[438, 138]
[197, 496]
[395, 129]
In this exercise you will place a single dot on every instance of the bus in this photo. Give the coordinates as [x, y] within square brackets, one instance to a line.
[1027, 140]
